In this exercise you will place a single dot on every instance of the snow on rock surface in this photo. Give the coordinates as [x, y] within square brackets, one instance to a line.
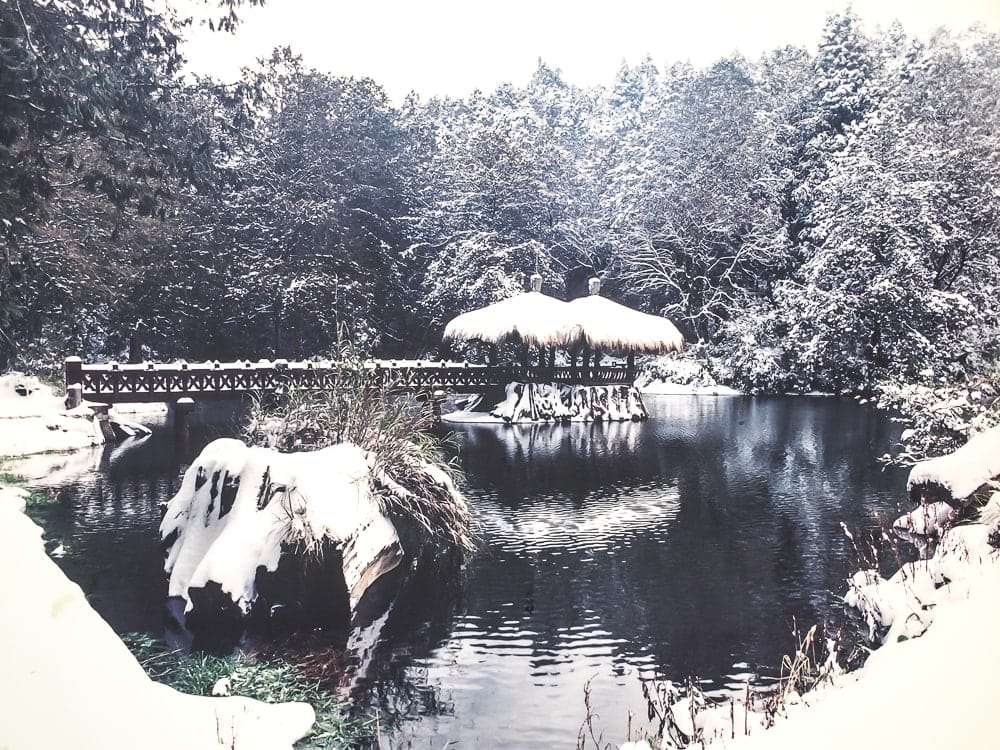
[237, 505]
[963, 472]
[67, 681]
[541, 402]
[923, 526]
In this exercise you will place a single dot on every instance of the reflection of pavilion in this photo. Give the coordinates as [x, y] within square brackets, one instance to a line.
[585, 328]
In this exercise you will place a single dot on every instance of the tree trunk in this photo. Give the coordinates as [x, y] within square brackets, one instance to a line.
[135, 347]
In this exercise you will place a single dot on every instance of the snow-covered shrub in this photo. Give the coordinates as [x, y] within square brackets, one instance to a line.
[942, 415]
[693, 366]
[750, 356]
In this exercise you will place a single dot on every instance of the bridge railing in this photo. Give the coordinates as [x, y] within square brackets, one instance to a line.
[114, 382]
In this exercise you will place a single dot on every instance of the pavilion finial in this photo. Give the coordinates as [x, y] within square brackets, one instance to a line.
[536, 282]
[594, 285]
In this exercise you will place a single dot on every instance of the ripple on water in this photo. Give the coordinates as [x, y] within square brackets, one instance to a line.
[602, 522]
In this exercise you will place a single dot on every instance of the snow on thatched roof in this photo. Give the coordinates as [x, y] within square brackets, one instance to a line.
[604, 324]
[536, 318]
[541, 320]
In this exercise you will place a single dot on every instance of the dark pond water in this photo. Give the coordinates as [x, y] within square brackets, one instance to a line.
[681, 547]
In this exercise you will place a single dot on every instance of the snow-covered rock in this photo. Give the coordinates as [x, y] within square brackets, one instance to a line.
[68, 681]
[547, 402]
[238, 506]
[960, 473]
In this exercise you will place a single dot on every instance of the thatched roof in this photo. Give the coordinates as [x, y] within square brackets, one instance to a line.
[604, 324]
[541, 320]
[533, 317]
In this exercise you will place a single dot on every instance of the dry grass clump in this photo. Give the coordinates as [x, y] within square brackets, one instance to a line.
[412, 480]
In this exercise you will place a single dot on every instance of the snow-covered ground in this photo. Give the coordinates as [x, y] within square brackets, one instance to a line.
[33, 419]
[665, 388]
[934, 682]
[67, 681]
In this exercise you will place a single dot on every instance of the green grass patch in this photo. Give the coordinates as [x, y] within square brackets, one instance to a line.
[271, 681]
[7, 477]
[34, 497]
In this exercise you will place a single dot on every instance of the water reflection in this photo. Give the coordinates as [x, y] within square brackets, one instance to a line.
[681, 546]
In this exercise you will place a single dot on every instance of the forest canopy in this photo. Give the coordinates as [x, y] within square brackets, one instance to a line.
[814, 220]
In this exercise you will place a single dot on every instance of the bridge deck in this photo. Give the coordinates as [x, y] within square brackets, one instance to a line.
[119, 383]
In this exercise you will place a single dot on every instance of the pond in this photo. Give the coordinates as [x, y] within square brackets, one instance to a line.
[682, 547]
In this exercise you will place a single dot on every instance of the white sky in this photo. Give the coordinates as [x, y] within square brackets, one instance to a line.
[450, 47]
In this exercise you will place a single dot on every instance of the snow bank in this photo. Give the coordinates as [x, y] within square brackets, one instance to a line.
[54, 469]
[33, 420]
[952, 666]
[24, 395]
[963, 472]
[238, 505]
[22, 435]
[665, 388]
[68, 681]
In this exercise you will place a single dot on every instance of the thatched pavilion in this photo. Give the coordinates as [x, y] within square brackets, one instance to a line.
[591, 324]
[530, 318]
[600, 324]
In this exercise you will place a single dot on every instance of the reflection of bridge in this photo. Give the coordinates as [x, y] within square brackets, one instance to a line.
[116, 383]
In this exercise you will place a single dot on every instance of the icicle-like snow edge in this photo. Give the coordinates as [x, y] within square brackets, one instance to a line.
[238, 505]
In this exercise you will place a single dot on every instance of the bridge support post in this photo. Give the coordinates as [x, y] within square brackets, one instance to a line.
[182, 409]
[73, 368]
[103, 417]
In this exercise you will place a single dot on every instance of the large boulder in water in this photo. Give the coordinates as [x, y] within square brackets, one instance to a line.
[240, 509]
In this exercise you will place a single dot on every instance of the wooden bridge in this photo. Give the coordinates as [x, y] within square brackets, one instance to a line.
[117, 383]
